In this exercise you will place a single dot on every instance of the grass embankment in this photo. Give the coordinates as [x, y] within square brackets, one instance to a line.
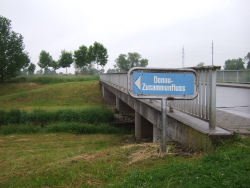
[31, 107]
[68, 160]
[41, 79]
[67, 94]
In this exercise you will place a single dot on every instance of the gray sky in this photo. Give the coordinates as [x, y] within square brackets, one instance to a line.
[156, 29]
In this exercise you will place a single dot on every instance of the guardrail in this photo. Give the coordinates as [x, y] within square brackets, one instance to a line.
[238, 76]
[203, 107]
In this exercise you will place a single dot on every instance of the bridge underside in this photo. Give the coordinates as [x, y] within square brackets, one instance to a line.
[187, 130]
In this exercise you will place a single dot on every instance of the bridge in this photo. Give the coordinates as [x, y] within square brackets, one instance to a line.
[192, 123]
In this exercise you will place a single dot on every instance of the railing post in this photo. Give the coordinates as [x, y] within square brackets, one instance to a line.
[237, 76]
[212, 101]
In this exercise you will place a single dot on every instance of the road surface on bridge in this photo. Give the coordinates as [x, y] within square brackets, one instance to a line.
[233, 100]
[233, 108]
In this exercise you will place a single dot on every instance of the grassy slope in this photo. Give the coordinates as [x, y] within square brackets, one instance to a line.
[52, 96]
[68, 160]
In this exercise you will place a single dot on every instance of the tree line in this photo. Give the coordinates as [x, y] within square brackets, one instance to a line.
[238, 64]
[125, 62]
[14, 58]
[234, 64]
[84, 59]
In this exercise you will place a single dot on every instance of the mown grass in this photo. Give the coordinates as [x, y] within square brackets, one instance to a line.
[50, 160]
[12, 88]
[42, 79]
[40, 152]
[228, 166]
[56, 96]
[77, 160]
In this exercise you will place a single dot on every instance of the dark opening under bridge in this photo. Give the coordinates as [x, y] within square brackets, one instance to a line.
[192, 123]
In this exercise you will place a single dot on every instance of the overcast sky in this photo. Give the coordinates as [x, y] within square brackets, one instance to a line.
[156, 29]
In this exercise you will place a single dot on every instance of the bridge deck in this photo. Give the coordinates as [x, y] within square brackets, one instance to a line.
[225, 120]
[232, 122]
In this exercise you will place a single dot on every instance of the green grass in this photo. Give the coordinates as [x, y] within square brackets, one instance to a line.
[52, 139]
[41, 79]
[42, 117]
[75, 128]
[101, 160]
[228, 166]
[51, 96]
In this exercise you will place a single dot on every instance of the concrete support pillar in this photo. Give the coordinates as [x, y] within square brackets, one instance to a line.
[108, 96]
[137, 125]
[143, 128]
[117, 103]
[156, 134]
[123, 107]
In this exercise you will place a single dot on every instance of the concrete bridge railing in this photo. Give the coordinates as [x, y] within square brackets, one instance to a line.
[203, 107]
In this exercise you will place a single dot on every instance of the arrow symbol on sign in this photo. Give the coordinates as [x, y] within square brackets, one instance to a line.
[138, 83]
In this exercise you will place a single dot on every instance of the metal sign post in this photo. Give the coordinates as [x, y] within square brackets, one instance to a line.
[163, 84]
[163, 127]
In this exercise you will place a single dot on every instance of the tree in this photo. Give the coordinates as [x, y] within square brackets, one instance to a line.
[234, 64]
[247, 58]
[45, 60]
[201, 64]
[55, 65]
[25, 71]
[97, 54]
[65, 60]
[125, 62]
[80, 57]
[39, 72]
[13, 58]
[111, 71]
[122, 63]
[31, 69]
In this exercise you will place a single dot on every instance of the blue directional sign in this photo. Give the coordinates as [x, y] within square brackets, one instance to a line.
[149, 83]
